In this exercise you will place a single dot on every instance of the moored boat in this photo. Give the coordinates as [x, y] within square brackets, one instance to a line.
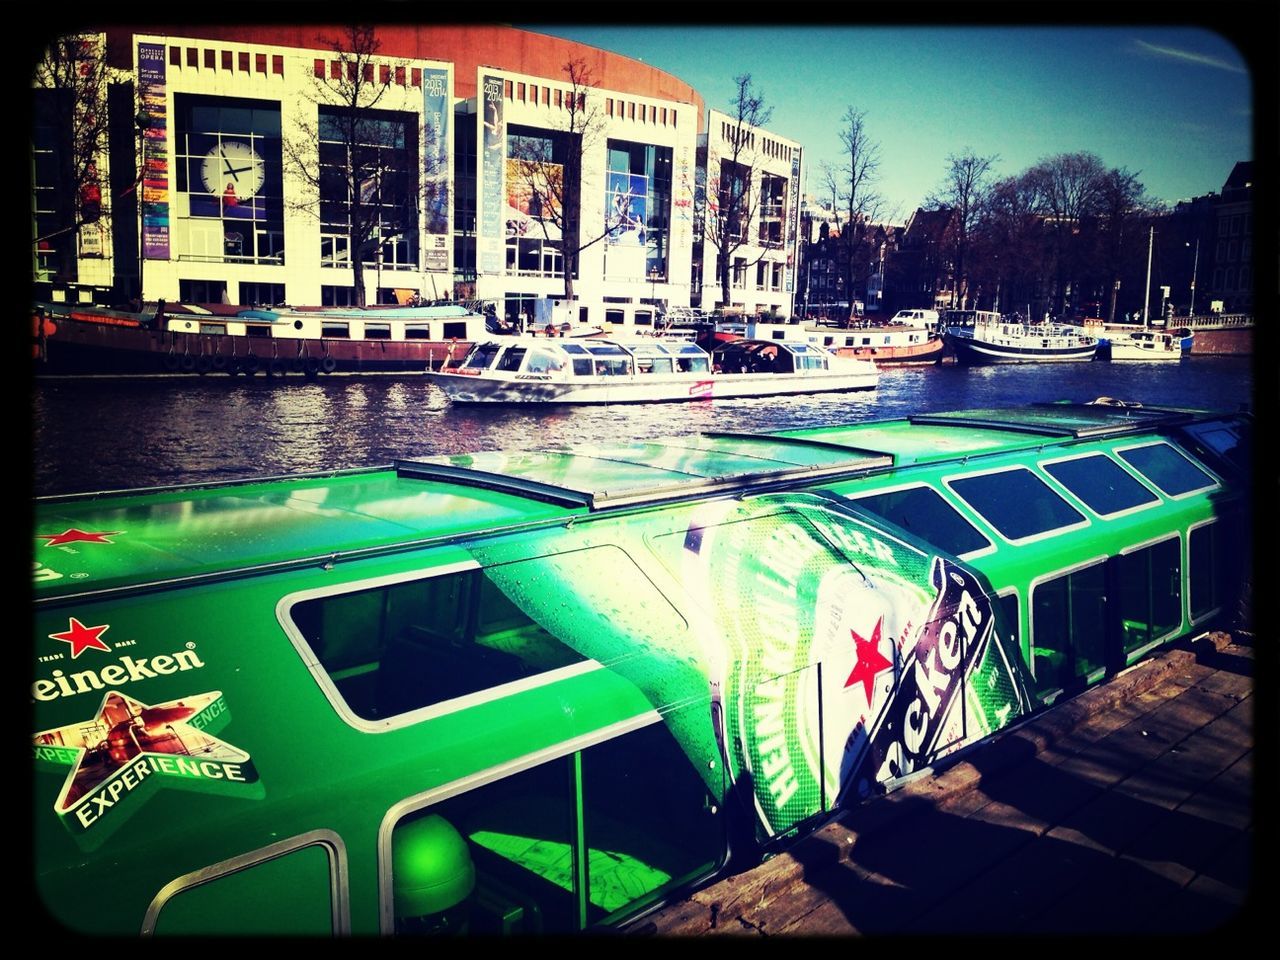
[95, 341]
[980, 336]
[1145, 345]
[543, 692]
[911, 337]
[644, 370]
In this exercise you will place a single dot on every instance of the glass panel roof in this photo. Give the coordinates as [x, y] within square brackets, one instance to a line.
[1058, 419]
[659, 469]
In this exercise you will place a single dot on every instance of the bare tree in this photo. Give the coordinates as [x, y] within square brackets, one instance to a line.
[548, 173]
[71, 81]
[1067, 188]
[964, 191]
[732, 199]
[1121, 196]
[855, 204]
[357, 162]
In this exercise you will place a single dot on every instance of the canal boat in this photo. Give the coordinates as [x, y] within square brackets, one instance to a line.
[1145, 345]
[73, 340]
[909, 339]
[545, 692]
[643, 370]
[982, 336]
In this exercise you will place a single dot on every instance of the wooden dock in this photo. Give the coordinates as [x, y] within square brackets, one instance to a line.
[1128, 809]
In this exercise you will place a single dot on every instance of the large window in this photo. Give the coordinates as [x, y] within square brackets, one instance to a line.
[536, 161]
[580, 841]
[52, 209]
[1150, 582]
[1016, 502]
[1208, 566]
[392, 649]
[369, 180]
[1168, 469]
[1068, 628]
[1100, 482]
[639, 207]
[229, 200]
[923, 511]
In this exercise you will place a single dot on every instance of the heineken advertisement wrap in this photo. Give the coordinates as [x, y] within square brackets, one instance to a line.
[831, 657]
[123, 752]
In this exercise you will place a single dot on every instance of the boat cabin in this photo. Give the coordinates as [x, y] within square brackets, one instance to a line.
[544, 692]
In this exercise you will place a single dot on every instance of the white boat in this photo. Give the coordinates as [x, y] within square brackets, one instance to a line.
[1150, 345]
[548, 370]
[981, 336]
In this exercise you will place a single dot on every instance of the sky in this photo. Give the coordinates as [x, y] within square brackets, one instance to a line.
[1172, 104]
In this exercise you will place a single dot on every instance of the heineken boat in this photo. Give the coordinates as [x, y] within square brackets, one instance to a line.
[546, 692]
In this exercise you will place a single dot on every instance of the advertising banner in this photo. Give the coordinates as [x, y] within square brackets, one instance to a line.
[793, 215]
[491, 229]
[435, 151]
[626, 202]
[154, 186]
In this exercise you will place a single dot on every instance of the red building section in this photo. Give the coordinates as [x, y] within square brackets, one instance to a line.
[466, 47]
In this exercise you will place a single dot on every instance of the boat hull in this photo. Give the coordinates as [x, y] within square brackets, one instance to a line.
[130, 349]
[893, 356]
[461, 388]
[971, 351]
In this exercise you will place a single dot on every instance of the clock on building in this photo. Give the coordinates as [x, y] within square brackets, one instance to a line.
[233, 169]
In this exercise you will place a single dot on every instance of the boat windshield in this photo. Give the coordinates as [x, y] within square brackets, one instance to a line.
[481, 356]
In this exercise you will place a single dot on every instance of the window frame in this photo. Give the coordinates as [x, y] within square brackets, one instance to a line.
[1083, 523]
[431, 711]
[990, 548]
[1184, 592]
[1215, 480]
[1124, 468]
[1085, 680]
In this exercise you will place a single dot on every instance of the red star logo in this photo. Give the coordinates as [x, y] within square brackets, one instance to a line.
[76, 536]
[870, 660]
[83, 638]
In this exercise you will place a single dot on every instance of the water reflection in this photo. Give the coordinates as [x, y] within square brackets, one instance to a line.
[109, 434]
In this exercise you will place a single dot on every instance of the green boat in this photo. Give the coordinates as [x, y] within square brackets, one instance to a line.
[547, 692]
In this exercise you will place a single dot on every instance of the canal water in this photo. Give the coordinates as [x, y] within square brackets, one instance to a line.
[106, 434]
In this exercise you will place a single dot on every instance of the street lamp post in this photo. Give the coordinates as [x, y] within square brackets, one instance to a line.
[653, 280]
[1191, 308]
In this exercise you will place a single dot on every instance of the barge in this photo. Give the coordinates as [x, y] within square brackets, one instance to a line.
[546, 692]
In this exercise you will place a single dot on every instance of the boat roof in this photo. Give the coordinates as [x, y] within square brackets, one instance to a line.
[194, 533]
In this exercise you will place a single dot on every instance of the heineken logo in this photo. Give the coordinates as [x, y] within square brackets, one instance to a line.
[951, 640]
[81, 638]
[128, 749]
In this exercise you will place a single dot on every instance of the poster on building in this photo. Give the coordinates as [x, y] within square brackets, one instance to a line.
[155, 170]
[491, 228]
[793, 213]
[626, 201]
[532, 189]
[683, 201]
[435, 152]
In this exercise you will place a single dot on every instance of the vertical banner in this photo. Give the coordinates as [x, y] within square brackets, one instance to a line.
[793, 212]
[684, 198]
[435, 152]
[490, 230]
[155, 169]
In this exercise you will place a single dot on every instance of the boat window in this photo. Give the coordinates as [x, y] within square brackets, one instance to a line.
[1016, 502]
[1150, 593]
[580, 841]
[512, 359]
[693, 364]
[1101, 483]
[1207, 563]
[377, 331]
[581, 367]
[1168, 469]
[924, 512]
[481, 356]
[610, 367]
[417, 331]
[1224, 439]
[395, 648]
[1068, 628]
[212, 327]
[606, 350]
[542, 362]
[335, 330]
[455, 330]
[573, 348]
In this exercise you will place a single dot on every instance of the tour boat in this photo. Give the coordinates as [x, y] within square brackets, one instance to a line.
[643, 370]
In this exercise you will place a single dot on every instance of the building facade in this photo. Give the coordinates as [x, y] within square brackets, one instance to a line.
[278, 164]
